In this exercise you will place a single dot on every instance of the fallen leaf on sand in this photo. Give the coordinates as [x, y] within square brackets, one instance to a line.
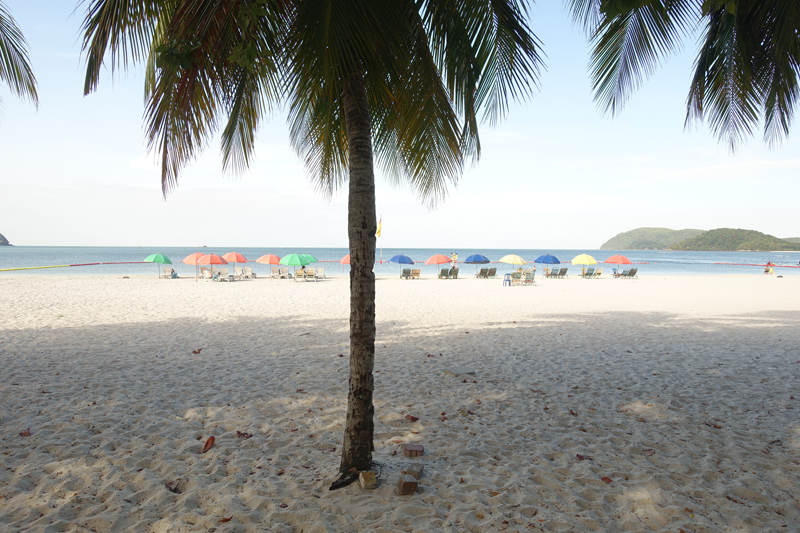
[478, 401]
[583, 457]
[280, 472]
[431, 355]
[26, 433]
[461, 480]
[340, 355]
[209, 444]
[444, 418]
[573, 413]
[412, 418]
[300, 390]
[606, 479]
[283, 506]
[226, 519]
[649, 451]
[394, 452]
[197, 351]
[243, 435]
[493, 492]
[295, 429]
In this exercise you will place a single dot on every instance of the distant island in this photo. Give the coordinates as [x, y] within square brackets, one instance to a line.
[4, 241]
[695, 240]
[649, 239]
[734, 240]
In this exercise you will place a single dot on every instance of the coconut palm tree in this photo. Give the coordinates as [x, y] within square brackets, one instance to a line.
[15, 67]
[400, 83]
[746, 71]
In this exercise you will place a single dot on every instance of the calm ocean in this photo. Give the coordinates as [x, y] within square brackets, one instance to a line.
[650, 262]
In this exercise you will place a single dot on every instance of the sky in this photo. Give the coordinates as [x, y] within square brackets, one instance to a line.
[556, 173]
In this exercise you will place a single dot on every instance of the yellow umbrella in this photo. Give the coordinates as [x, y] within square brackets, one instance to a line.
[512, 259]
[583, 259]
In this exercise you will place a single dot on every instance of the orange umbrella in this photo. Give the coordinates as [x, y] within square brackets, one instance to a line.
[618, 259]
[438, 259]
[269, 259]
[234, 257]
[211, 259]
[192, 259]
[345, 260]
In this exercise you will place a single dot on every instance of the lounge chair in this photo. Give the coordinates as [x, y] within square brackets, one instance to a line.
[414, 273]
[453, 273]
[598, 273]
[588, 273]
[224, 275]
[284, 273]
[405, 274]
[320, 274]
[528, 278]
[492, 273]
[238, 273]
[632, 273]
[444, 272]
[483, 273]
[516, 278]
[274, 272]
[563, 273]
[623, 274]
[206, 274]
[248, 273]
[311, 274]
[166, 273]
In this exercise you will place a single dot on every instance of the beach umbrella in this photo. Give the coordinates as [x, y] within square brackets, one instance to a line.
[512, 259]
[402, 259]
[192, 259]
[158, 258]
[547, 259]
[477, 258]
[211, 259]
[438, 259]
[345, 260]
[295, 260]
[583, 260]
[618, 260]
[269, 259]
[310, 258]
[234, 257]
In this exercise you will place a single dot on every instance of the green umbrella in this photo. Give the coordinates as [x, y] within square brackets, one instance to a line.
[311, 258]
[158, 258]
[295, 260]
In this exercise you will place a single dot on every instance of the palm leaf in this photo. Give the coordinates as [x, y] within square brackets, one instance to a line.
[15, 66]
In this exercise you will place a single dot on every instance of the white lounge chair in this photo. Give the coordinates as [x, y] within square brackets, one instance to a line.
[248, 273]
[320, 274]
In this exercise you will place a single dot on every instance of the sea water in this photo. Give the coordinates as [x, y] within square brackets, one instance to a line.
[649, 262]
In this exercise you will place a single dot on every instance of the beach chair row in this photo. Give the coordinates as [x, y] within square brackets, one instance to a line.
[591, 273]
[556, 273]
[523, 278]
[223, 274]
[628, 273]
[446, 273]
[487, 273]
[409, 273]
[309, 274]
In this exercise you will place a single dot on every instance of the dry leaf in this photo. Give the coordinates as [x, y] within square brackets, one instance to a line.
[493, 493]
[283, 506]
[209, 444]
[295, 429]
[280, 472]
[478, 516]
[197, 351]
[573, 413]
[583, 457]
[26, 433]
[394, 452]
[412, 418]
[300, 390]
[649, 451]
[606, 479]
[243, 435]
[461, 480]
[226, 519]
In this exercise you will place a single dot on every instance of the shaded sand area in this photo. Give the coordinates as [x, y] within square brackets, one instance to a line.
[683, 391]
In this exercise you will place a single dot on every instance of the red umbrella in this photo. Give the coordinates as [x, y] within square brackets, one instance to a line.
[192, 259]
[345, 260]
[618, 260]
[269, 259]
[438, 259]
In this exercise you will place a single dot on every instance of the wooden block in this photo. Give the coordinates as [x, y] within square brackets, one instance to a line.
[406, 485]
[415, 470]
[367, 480]
[413, 450]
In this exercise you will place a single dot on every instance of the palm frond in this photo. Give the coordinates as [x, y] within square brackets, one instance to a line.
[628, 44]
[15, 65]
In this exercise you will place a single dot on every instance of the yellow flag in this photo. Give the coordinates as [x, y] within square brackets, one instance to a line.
[378, 233]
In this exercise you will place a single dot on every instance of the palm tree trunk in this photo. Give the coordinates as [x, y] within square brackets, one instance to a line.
[361, 226]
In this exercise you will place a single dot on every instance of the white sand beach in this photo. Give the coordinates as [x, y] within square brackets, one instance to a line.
[683, 391]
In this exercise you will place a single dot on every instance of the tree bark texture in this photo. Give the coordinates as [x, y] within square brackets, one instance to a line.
[361, 226]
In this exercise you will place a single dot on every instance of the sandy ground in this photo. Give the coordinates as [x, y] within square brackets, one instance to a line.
[683, 391]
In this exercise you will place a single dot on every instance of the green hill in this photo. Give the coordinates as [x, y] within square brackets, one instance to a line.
[649, 239]
[4, 241]
[732, 240]
[795, 240]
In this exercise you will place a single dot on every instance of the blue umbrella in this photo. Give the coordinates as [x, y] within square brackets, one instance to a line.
[547, 259]
[402, 259]
[477, 258]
